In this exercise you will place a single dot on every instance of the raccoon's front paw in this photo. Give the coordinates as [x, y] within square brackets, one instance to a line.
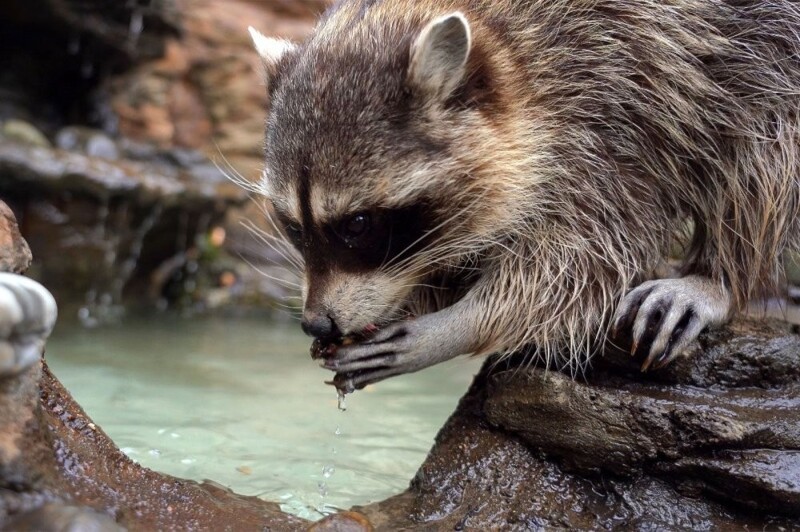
[667, 315]
[403, 347]
[27, 315]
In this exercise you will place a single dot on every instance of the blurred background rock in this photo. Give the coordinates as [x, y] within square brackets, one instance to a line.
[115, 120]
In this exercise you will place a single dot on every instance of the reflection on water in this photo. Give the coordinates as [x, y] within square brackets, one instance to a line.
[241, 402]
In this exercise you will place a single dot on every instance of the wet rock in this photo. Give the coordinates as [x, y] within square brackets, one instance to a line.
[60, 518]
[141, 181]
[51, 452]
[89, 470]
[24, 133]
[343, 522]
[100, 227]
[143, 100]
[88, 141]
[56, 53]
[15, 255]
[710, 443]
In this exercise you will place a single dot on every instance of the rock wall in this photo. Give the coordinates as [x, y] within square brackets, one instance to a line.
[57, 52]
[15, 255]
[207, 92]
[114, 121]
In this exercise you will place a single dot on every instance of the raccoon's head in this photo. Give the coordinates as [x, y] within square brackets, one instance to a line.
[373, 160]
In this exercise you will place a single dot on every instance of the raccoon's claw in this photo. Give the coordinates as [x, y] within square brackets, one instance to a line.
[667, 315]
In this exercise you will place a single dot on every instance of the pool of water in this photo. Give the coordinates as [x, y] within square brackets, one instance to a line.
[240, 402]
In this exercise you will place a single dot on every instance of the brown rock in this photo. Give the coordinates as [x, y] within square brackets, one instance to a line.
[51, 452]
[15, 256]
[711, 442]
[98, 227]
[207, 91]
[192, 127]
[343, 522]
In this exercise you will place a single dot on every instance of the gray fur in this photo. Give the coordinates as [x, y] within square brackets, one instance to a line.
[583, 136]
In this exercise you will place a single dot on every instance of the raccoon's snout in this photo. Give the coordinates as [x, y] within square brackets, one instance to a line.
[319, 325]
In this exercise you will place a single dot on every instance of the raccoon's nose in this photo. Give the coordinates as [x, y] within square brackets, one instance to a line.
[319, 325]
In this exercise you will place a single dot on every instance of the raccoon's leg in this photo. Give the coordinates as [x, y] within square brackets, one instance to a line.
[27, 315]
[404, 347]
[667, 315]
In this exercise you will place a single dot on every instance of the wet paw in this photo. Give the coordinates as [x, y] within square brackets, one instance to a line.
[381, 356]
[400, 348]
[666, 316]
[27, 315]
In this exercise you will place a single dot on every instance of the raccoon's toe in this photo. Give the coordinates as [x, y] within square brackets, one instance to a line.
[666, 316]
[383, 350]
[403, 347]
[349, 382]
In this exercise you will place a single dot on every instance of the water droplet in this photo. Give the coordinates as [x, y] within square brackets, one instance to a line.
[323, 489]
[338, 431]
[328, 471]
[342, 404]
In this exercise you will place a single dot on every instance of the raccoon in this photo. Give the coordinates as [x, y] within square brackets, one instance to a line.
[486, 176]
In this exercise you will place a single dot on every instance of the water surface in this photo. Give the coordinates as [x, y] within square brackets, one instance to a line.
[240, 402]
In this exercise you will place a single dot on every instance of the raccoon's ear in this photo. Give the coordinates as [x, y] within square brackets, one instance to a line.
[271, 50]
[439, 55]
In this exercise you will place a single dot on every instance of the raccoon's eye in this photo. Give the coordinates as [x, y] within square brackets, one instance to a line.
[295, 233]
[356, 227]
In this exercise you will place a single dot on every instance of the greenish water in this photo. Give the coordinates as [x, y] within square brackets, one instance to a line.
[240, 402]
